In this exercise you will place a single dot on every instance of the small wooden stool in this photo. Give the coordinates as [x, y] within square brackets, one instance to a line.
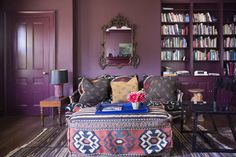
[197, 97]
[52, 102]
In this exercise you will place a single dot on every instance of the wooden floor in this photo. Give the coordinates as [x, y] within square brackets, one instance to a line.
[17, 131]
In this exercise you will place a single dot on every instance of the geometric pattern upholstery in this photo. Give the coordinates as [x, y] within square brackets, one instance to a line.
[121, 89]
[153, 141]
[159, 88]
[93, 92]
[86, 142]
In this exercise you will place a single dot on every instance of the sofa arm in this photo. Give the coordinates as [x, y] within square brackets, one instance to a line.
[179, 96]
[74, 98]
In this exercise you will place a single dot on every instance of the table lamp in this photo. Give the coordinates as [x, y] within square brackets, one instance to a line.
[58, 78]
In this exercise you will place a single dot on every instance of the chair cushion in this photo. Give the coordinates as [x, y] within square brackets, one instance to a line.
[122, 86]
[93, 91]
[160, 88]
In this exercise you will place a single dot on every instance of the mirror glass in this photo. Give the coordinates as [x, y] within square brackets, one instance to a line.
[118, 44]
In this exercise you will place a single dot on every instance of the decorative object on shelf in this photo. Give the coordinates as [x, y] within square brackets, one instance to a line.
[58, 78]
[119, 46]
[136, 98]
[197, 95]
[198, 99]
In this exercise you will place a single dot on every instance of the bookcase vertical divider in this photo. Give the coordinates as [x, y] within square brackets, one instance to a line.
[221, 38]
[191, 37]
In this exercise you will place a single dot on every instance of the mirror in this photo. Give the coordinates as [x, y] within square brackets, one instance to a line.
[119, 44]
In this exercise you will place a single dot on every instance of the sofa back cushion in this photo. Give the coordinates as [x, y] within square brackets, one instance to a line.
[122, 86]
[93, 91]
[160, 88]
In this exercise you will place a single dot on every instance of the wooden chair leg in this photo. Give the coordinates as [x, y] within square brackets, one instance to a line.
[42, 116]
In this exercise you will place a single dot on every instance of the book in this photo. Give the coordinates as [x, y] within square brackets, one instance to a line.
[112, 108]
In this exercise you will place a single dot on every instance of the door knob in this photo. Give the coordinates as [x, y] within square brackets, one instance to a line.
[45, 73]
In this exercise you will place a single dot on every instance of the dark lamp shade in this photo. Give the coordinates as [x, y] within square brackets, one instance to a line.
[59, 76]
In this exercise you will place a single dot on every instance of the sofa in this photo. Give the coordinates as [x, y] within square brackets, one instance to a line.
[121, 134]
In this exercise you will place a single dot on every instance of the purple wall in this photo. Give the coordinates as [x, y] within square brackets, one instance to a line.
[93, 14]
[64, 28]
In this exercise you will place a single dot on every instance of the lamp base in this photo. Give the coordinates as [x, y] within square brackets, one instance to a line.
[58, 90]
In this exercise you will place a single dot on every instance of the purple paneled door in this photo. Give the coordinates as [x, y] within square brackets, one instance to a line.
[32, 40]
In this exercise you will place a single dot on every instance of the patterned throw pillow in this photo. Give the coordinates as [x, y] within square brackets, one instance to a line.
[121, 87]
[93, 92]
[160, 88]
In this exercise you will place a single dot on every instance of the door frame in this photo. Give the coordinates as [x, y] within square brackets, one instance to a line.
[7, 56]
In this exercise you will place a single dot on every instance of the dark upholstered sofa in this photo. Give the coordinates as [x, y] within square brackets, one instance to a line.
[159, 90]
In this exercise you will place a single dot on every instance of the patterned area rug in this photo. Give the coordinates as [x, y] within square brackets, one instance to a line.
[52, 143]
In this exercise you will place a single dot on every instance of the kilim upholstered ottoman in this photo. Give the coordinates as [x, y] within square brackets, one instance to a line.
[148, 134]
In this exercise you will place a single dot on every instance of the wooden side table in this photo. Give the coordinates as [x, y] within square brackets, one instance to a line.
[52, 102]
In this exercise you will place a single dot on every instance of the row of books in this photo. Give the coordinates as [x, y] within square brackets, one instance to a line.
[230, 55]
[173, 17]
[174, 30]
[172, 55]
[202, 42]
[229, 29]
[211, 55]
[203, 17]
[174, 42]
[230, 69]
[230, 42]
[202, 29]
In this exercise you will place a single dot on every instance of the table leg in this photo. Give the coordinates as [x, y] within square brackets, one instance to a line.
[59, 115]
[53, 114]
[194, 136]
[182, 119]
[42, 116]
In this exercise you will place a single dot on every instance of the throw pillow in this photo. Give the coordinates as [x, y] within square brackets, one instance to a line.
[93, 92]
[121, 87]
[159, 88]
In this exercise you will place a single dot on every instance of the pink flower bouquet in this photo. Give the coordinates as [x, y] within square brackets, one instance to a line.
[136, 97]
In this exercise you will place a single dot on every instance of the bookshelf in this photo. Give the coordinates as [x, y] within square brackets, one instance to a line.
[229, 39]
[205, 32]
[175, 36]
[209, 33]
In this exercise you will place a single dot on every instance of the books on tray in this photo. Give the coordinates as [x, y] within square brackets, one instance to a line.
[112, 108]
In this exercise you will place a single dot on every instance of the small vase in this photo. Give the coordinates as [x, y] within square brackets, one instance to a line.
[135, 105]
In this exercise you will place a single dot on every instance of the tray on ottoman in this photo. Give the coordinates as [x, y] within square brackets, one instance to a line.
[120, 108]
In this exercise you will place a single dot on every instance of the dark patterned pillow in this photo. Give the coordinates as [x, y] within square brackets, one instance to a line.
[160, 88]
[93, 92]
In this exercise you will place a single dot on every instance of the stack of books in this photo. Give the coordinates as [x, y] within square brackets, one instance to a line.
[202, 29]
[202, 42]
[174, 30]
[230, 42]
[229, 29]
[203, 17]
[174, 42]
[173, 17]
[211, 55]
[230, 55]
[177, 55]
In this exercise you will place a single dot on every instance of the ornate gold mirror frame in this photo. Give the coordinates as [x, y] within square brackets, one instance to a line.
[127, 51]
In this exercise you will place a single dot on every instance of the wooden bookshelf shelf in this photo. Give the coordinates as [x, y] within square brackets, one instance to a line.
[174, 47]
[205, 48]
[173, 60]
[205, 35]
[206, 60]
[229, 60]
[175, 23]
